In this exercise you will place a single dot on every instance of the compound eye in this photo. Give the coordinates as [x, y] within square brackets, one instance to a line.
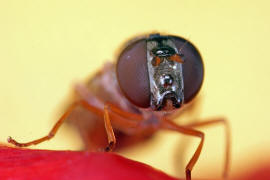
[193, 70]
[132, 73]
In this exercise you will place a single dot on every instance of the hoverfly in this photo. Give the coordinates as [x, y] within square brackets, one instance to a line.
[155, 76]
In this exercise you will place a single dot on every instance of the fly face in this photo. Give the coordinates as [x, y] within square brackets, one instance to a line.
[165, 73]
[152, 74]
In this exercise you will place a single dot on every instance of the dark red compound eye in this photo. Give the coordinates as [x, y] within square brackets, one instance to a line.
[132, 71]
[193, 70]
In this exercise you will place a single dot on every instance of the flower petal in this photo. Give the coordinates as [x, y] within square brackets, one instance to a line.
[17, 164]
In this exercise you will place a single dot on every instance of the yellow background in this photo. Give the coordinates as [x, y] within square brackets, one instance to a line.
[46, 46]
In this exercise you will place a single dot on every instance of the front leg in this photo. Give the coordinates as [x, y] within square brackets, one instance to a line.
[109, 130]
[58, 124]
[166, 124]
[225, 123]
[121, 118]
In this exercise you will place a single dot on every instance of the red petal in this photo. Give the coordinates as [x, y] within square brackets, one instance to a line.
[17, 164]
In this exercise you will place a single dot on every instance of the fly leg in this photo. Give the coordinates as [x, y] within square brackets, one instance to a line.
[188, 130]
[169, 125]
[225, 123]
[120, 118]
[58, 124]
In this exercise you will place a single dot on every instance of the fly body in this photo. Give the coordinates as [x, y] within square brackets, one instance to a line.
[155, 76]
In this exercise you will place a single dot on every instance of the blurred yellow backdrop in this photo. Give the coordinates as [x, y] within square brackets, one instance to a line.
[46, 46]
